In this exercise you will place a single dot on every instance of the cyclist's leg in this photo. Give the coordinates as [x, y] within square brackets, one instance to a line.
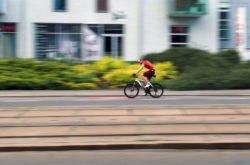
[149, 75]
[145, 79]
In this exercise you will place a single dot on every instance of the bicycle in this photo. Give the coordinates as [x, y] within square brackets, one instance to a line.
[131, 90]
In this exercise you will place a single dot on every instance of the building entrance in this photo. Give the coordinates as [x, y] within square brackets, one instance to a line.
[113, 45]
[7, 46]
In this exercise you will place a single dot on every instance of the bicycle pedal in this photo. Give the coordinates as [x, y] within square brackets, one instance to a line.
[146, 90]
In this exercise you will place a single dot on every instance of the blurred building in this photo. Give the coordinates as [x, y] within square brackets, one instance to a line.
[234, 25]
[90, 29]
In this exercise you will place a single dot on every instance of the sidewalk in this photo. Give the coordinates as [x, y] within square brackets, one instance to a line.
[124, 127]
[124, 143]
[114, 93]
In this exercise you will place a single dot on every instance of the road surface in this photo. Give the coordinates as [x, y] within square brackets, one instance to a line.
[141, 100]
[135, 157]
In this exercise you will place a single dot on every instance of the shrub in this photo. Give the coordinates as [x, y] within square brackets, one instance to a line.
[106, 65]
[202, 78]
[72, 85]
[120, 77]
[32, 74]
[239, 77]
[231, 56]
[185, 58]
[182, 58]
[202, 70]
[19, 83]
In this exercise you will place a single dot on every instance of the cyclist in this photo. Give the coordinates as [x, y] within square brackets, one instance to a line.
[146, 76]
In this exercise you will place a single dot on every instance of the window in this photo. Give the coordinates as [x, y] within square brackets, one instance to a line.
[7, 40]
[58, 41]
[111, 36]
[179, 36]
[180, 5]
[224, 20]
[102, 6]
[7, 28]
[59, 5]
[113, 29]
[2, 6]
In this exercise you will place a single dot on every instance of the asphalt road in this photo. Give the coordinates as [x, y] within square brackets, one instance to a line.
[141, 100]
[135, 157]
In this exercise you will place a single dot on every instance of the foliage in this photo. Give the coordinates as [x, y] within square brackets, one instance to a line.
[32, 74]
[106, 73]
[239, 77]
[231, 56]
[119, 77]
[106, 65]
[185, 58]
[182, 57]
[202, 78]
[176, 69]
[200, 69]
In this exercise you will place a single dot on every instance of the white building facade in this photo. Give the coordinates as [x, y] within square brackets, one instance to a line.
[90, 29]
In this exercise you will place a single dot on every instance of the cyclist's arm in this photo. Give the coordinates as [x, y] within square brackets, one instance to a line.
[142, 66]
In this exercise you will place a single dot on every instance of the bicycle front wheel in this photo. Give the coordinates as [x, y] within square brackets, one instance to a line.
[156, 90]
[131, 90]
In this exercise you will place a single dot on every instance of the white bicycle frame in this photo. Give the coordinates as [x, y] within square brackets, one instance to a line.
[140, 82]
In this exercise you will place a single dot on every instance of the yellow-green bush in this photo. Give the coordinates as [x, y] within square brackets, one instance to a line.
[72, 85]
[33, 74]
[106, 65]
[164, 71]
[120, 77]
[85, 73]
[106, 73]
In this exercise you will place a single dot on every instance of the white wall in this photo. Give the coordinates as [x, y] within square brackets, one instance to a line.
[146, 27]
[203, 29]
[132, 26]
[13, 11]
[28, 12]
[155, 26]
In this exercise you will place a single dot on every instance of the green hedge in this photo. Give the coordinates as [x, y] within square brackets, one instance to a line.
[201, 70]
[32, 74]
[202, 78]
[106, 73]
[177, 69]
[185, 58]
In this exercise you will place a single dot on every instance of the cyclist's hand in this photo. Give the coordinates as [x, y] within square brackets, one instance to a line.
[134, 74]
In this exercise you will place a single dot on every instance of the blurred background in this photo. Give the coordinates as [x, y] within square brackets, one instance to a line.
[90, 29]
[92, 45]
[184, 32]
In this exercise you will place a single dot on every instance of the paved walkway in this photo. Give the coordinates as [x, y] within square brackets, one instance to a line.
[124, 127]
[116, 92]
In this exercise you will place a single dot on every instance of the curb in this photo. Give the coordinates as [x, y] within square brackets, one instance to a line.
[117, 93]
[132, 146]
[171, 95]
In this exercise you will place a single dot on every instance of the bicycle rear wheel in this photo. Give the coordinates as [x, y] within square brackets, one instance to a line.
[156, 90]
[131, 90]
